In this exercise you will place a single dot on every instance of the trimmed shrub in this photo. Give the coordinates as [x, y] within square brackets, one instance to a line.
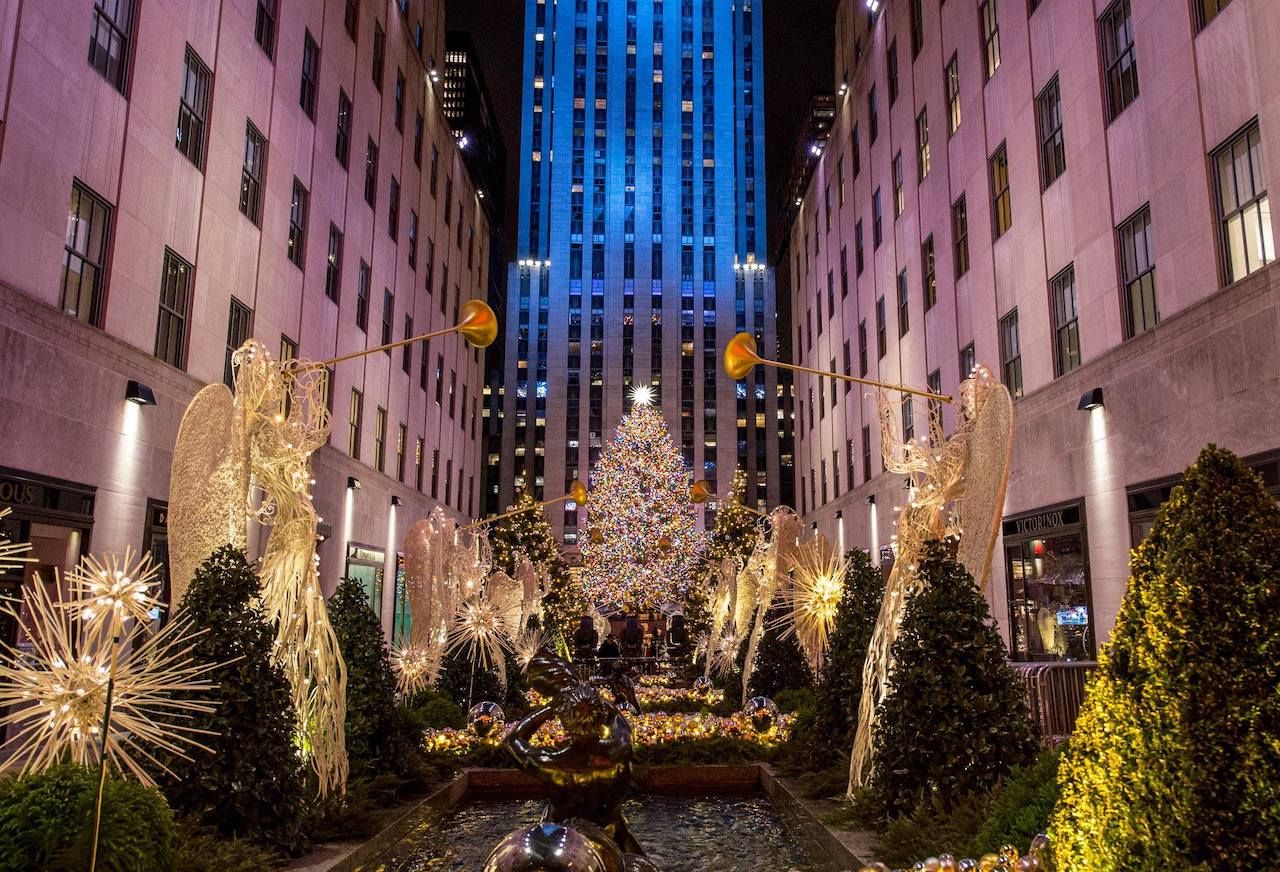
[433, 709]
[1174, 762]
[376, 736]
[251, 783]
[780, 664]
[46, 823]
[955, 721]
[1020, 809]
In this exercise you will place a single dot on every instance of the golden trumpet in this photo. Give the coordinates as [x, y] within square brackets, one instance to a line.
[740, 358]
[577, 493]
[479, 326]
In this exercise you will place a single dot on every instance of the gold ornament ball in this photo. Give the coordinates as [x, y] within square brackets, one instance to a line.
[596, 537]
[988, 862]
[664, 544]
[1010, 854]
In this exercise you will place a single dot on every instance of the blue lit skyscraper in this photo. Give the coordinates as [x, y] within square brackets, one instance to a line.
[641, 242]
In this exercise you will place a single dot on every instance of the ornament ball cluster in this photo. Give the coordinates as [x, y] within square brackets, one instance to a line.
[1007, 859]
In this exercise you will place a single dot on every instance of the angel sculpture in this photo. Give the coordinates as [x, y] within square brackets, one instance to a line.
[957, 487]
[267, 430]
[767, 570]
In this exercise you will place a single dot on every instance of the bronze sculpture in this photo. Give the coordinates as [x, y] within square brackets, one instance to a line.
[589, 777]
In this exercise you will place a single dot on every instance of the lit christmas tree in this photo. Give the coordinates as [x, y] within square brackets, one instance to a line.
[642, 544]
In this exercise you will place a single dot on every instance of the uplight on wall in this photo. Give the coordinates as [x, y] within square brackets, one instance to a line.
[1090, 400]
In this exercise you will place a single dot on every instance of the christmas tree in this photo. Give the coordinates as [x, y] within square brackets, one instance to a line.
[955, 721]
[642, 543]
[1174, 762]
[780, 664]
[252, 785]
[529, 535]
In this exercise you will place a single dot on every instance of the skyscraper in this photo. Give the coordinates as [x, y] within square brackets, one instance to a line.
[641, 241]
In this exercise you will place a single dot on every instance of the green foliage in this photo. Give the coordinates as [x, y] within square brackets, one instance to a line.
[466, 685]
[376, 738]
[1020, 809]
[1174, 762]
[955, 721]
[203, 850]
[794, 700]
[433, 709]
[46, 823]
[251, 782]
[780, 664]
[932, 830]
[839, 691]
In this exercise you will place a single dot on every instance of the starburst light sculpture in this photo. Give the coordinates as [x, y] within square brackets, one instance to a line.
[817, 582]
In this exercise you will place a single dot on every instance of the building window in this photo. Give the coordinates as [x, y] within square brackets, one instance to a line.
[929, 269]
[264, 27]
[239, 326]
[935, 406]
[362, 296]
[380, 439]
[371, 172]
[417, 140]
[255, 159]
[904, 307]
[175, 301]
[109, 40]
[333, 264]
[393, 210]
[1243, 207]
[844, 272]
[866, 454]
[1011, 354]
[917, 27]
[960, 236]
[922, 143]
[855, 147]
[310, 75]
[873, 120]
[840, 179]
[1066, 328]
[1001, 203]
[952, 77]
[892, 63]
[406, 352]
[882, 339]
[1138, 269]
[862, 349]
[342, 140]
[418, 450]
[288, 349]
[439, 378]
[85, 259]
[413, 239]
[353, 423]
[399, 100]
[1053, 154]
[402, 436]
[351, 17]
[849, 482]
[990, 36]
[859, 260]
[379, 53]
[193, 108]
[1118, 57]
[435, 169]
[968, 361]
[298, 222]
[908, 420]
[899, 187]
[1207, 10]
[877, 224]
[388, 312]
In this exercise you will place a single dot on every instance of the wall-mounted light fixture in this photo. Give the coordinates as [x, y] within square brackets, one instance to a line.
[395, 501]
[353, 483]
[137, 392]
[873, 6]
[1091, 399]
[871, 500]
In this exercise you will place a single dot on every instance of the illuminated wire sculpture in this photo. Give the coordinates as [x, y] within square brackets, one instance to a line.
[957, 487]
[287, 420]
[57, 693]
[817, 583]
[13, 554]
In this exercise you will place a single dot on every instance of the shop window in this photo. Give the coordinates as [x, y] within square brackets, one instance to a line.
[1050, 601]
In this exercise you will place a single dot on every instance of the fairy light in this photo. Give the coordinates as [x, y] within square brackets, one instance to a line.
[639, 501]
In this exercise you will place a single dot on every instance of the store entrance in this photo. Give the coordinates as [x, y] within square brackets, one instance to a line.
[1047, 567]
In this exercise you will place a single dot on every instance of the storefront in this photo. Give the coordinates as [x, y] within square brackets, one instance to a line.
[1050, 600]
[56, 517]
[365, 564]
[1144, 500]
[155, 544]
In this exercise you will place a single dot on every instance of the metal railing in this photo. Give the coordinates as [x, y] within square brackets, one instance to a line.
[1055, 692]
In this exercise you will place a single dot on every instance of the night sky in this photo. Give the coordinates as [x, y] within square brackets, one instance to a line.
[797, 60]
